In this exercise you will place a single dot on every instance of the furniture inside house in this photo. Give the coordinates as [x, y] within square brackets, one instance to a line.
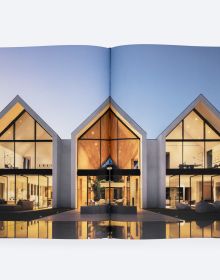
[189, 166]
[21, 205]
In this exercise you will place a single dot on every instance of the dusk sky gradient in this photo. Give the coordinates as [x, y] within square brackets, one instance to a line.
[63, 84]
[153, 84]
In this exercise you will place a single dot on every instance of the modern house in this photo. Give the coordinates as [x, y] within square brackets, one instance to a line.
[109, 160]
[192, 147]
[28, 156]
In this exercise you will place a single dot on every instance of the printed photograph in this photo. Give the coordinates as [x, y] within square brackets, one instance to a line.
[119, 142]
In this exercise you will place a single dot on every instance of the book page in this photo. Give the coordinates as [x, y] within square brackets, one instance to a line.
[168, 97]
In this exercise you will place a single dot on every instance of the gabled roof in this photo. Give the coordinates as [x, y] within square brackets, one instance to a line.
[204, 107]
[18, 104]
[109, 103]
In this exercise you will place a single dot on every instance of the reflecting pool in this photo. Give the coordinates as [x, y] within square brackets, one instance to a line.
[107, 229]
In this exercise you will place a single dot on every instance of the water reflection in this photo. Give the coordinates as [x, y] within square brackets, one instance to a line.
[193, 230]
[106, 229]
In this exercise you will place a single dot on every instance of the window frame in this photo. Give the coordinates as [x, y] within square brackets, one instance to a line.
[35, 140]
[203, 140]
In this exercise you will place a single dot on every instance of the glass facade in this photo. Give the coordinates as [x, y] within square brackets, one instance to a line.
[36, 188]
[191, 188]
[192, 148]
[25, 146]
[108, 138]
[108, 142]
[194, 143]
[99, 190]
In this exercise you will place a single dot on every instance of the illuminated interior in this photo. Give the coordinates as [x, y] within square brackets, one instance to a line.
[108, 139]
[108, 229]
[192, 148]
[194, 143]
[25, 145]
[108, 142]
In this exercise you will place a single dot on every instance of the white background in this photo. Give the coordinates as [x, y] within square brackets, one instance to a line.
[109, 23]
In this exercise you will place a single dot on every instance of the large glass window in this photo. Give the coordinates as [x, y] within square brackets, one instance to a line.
[212, 154]
[24, 127]
[191, 189]
[24, 144]
[207, 188]
[185, 188]
[216, 187]
[6, 155]
[8, 134]
[177, 133]
[24, 155]
[44, 155]
[41, 134]
[3, 188]
[196, 189]
[33, 190]
[193, 127]
[88, 154]
[108, 138]
[43, 191]
[174, 154]
[36, 188]
[98, 190]
[193, 154]
[11, 189]
[128, 154]
[173, 194]
[21, 187]
[194, 143]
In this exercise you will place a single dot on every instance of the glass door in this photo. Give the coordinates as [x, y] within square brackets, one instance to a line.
[174, 193]
[93, 191]
[4, 188]
[102, 190]
[216, 187]
[43, 187]
[196, 184]
[21, 187]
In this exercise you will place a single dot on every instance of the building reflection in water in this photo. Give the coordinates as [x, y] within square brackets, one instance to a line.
[106, 229]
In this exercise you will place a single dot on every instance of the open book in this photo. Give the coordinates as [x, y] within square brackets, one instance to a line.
[110, 143]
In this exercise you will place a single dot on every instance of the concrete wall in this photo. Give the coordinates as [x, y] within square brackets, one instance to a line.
[156, 173]
[56, 169]
[144, 172]
[73, 171]
[161, 173]
[152, 173]
[64, 189]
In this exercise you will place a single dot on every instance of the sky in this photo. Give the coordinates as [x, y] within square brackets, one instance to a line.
[152, 83]
[62, 84]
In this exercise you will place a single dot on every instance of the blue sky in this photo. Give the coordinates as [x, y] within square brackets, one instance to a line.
[62, 84]
[153, 84]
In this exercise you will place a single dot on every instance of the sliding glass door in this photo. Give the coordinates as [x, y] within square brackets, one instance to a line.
[99, 190]
[36, 188]
[192, 188]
